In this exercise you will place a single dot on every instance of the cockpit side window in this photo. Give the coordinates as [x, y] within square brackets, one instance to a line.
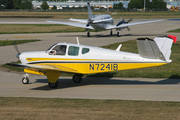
[85, 50]
[60, 49]
[73, 51]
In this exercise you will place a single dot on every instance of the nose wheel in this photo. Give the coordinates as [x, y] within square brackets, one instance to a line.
[25, 79]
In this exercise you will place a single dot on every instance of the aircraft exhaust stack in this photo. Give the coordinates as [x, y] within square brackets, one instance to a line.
[159, 48]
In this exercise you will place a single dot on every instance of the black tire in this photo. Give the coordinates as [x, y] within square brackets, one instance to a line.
[25, 80]
[53, 85]
[111, 33]
[77, 78]
[88, 34]
[118, 34]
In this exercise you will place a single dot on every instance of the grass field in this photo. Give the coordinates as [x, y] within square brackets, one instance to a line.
[175, 31]
[84, 15]
[86, 109]
[38, 28]
[14, 42]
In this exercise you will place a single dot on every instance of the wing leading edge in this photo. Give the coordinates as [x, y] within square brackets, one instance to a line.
[73, 24]
[44, 67]
[130, 24]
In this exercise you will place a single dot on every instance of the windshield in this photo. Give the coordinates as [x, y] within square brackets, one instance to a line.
[51, 47]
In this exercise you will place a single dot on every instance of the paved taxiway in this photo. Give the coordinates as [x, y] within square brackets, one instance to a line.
[92, 88]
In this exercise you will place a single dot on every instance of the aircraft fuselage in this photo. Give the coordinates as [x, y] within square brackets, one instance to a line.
[104, 21]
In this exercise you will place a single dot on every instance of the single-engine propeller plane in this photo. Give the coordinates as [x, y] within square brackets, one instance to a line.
[81, 59]
[101, 22]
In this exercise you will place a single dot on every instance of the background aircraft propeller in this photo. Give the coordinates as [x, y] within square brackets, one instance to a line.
[89, 21]
[124, 22]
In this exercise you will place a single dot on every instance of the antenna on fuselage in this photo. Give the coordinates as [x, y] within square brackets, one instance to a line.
[77, 40]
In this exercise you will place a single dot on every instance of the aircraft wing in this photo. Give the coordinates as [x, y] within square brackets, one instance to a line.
[72, 24]
[130, 24]
[44, 67]
[79, 20]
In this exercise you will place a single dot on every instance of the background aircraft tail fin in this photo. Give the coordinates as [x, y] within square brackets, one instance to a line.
[159, 48]
[89, 11]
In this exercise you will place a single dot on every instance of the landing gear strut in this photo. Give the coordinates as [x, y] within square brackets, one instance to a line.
[25, 79]
[118, 34]
[111, 33]
[88, 34]
[77, 78]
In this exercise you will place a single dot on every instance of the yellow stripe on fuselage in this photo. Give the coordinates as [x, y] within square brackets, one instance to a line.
[88, 68]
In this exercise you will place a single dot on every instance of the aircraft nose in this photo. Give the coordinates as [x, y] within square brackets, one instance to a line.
[18, 55]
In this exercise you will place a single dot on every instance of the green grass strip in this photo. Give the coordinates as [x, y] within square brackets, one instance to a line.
[174, 31]
[68, 109]
[13, 42]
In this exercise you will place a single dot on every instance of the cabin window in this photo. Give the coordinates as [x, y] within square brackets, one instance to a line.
[85, 50]
[60, 49]
[73, 50]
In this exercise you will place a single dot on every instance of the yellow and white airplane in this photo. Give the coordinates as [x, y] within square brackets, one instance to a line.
[81, 59]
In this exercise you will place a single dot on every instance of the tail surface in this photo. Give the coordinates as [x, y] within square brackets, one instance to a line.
[159, 48]
[89, 11]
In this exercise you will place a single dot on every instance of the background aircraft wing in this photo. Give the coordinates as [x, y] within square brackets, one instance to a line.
[79, 20]
[72, 24]
[130, 24]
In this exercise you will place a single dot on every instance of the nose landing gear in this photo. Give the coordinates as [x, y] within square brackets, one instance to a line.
[25, 79]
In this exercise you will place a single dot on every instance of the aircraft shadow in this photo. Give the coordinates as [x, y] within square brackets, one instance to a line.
[68, 83]
[114, 35]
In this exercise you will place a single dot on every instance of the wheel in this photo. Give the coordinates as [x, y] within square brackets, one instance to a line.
[53, 85]
[77, 78]
[111, 33]
[25, 80]
[118, 34]
[88, 34]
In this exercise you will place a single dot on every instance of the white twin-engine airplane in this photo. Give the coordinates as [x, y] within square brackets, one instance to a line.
[101, 22]
[82, 59]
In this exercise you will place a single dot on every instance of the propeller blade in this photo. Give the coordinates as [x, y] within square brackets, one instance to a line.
[128, 28]
[129, 20]
[122, 18]
[16, 48]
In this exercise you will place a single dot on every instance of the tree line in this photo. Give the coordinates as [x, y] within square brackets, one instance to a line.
[133, 4]
[154, 4]
[16, 4]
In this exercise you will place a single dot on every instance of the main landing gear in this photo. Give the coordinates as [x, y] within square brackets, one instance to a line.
[53, 85]
[111, 33]
[118, 33]
[77, 78]
[88, 34]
